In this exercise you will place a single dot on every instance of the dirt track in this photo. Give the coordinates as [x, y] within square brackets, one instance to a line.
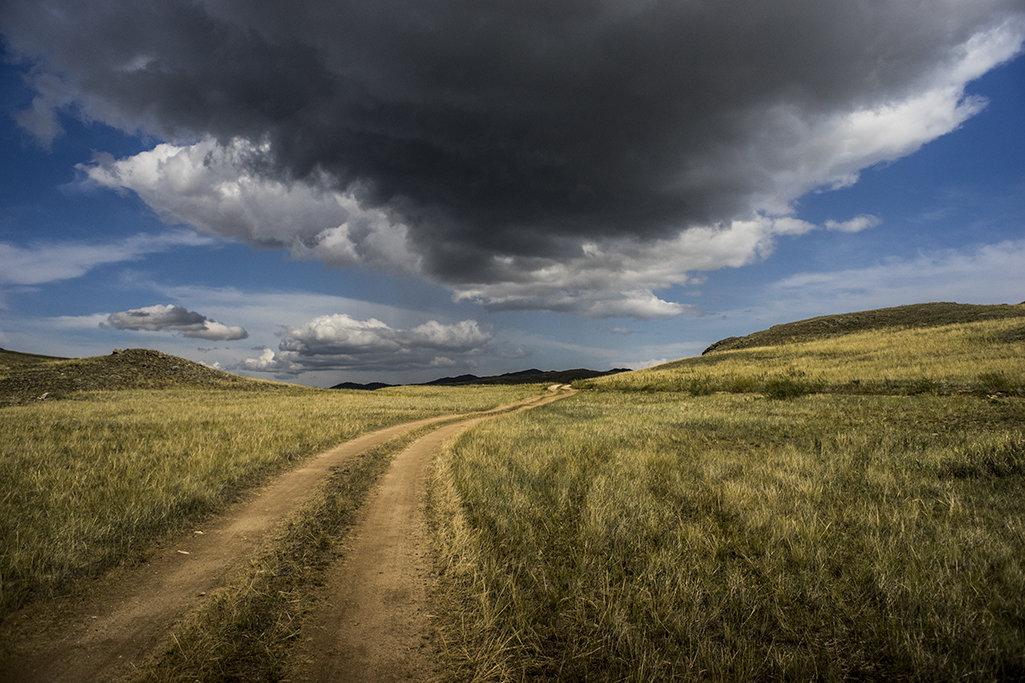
[129, 614]
[368, 626]
[372, 624]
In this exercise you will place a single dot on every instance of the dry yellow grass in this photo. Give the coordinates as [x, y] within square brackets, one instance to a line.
[85, 483]
[979, 357]
[675, 523]
[635, 536]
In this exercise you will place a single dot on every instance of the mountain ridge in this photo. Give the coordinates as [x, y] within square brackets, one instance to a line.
[531, 376]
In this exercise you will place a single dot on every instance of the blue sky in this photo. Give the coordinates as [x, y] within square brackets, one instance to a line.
[607, 194]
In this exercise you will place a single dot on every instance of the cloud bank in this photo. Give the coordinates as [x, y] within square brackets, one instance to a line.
[171, 318]
[576, 157]
[340, 342]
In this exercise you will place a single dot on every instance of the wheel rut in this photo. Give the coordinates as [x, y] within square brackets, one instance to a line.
[373, 623]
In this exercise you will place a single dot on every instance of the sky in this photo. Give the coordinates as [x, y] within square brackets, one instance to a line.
[322, 191]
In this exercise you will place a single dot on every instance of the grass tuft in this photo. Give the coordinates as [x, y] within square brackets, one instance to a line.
[1002, 457]
[998, 383]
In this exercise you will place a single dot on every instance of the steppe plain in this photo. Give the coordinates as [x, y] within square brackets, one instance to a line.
[839, 498]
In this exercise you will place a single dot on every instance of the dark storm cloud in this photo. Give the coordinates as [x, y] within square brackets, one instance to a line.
[507, 136]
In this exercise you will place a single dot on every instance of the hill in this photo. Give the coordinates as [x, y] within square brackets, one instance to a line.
[927, 348]
[912, 316]
[369, 386]
[10, 360]
[26, 377]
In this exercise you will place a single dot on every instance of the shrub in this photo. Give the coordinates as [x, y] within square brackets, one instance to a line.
[782, 388]
[700, 386]
[922, 386]
[995, 383]
[741, 384]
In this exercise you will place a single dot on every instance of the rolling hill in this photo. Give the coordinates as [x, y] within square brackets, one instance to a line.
[939, 348]
[914, 315]
[25, 377]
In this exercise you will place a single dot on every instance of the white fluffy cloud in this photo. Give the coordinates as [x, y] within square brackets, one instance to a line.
[340, 342]
[207, 185]
[211, 187]
[856, 224]
[171, 318]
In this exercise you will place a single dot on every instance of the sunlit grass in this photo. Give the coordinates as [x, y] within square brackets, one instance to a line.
[983, 357]
[84, 483]
[631, 536]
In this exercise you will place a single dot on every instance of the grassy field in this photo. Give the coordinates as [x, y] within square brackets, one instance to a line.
[646, 536]
[681, 522]
[839, 498]
[87, 482]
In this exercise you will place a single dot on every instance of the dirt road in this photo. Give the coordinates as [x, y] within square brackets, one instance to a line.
[129, 613]
[372, 623]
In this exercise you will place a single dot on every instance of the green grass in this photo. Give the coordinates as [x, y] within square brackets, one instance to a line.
[632, 536]
[983, 357]
[88, 483]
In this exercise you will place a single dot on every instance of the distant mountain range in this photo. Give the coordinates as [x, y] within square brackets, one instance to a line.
[532, 376]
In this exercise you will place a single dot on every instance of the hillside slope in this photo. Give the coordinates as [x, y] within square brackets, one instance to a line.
[25, 377]
[915, 315]
[928, 348]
